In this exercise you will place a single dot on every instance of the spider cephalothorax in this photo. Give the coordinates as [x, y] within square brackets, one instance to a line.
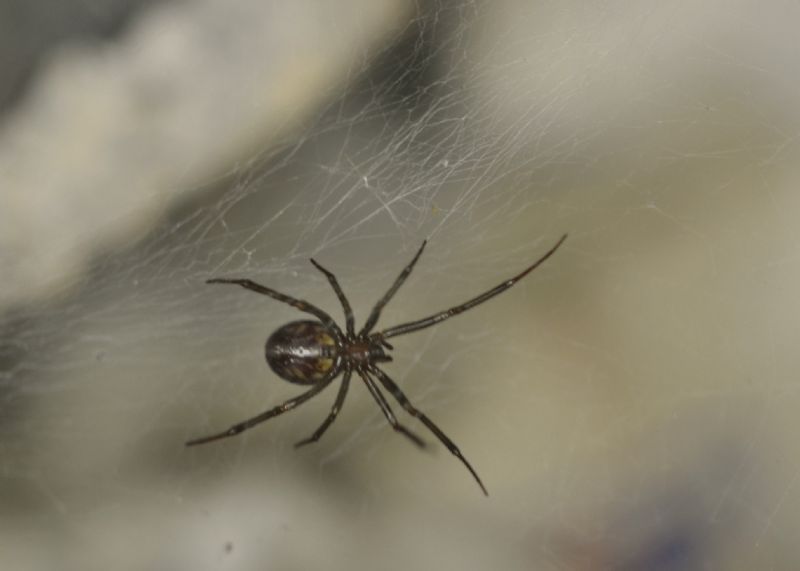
[316, 352]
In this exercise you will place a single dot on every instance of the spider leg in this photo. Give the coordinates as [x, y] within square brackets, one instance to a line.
[392, 387]
[300, 304]
[376, 311]
[251, 422]
[348, 311]
[387, 411]
[337, 406]
[412, 326]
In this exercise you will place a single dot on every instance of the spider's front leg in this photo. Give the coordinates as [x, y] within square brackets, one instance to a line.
[392, 387]
[387, 411]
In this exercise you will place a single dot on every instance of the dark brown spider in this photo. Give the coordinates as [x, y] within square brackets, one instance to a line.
[316, 352]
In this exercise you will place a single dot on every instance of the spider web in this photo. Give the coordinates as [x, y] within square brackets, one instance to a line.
[629, 405]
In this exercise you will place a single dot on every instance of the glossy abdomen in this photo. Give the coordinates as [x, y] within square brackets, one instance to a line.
[302, 352]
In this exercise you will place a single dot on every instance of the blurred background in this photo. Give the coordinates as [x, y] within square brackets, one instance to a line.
[631, 405]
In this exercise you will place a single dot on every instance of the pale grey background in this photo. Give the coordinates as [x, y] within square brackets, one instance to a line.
[630, 405]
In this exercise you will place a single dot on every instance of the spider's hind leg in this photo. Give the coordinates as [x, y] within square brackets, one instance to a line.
[337, 406]
[240, 427]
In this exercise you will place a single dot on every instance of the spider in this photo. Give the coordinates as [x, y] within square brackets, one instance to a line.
[315, 353]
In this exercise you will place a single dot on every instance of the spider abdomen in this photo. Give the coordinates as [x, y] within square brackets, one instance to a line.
[302, 352]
